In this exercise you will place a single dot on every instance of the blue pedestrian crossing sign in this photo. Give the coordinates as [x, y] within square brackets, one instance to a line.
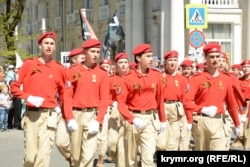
[196, 16]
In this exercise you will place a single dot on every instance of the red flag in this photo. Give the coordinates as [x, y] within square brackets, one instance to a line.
[87, 31]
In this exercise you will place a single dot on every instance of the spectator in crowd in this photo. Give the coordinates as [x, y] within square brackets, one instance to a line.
[5, 104]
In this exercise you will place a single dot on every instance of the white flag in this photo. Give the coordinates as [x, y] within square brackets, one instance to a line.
[19, 61]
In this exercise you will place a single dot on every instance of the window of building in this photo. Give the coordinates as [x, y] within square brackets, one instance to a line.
[36, 12]
[221, 33]
[28, 15]
[59, 8]
[47, 10]
[70, 6]
[104, 2]
[86, 4]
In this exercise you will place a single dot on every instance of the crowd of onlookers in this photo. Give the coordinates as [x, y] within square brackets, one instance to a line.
[10, 106]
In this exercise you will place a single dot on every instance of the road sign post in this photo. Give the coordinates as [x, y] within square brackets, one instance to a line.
[196, 16]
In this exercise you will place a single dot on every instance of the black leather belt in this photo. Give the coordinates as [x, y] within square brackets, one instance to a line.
[216, 116]
[171, 101]
[144, 111]
[42, 109]
[85, 109]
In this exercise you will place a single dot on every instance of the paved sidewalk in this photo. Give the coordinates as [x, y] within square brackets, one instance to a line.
[12, 151]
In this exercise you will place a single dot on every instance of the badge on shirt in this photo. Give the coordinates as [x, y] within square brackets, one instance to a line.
[153, 87]
[36, 70]
[137, 87]
[93, 78]
[68, 84]
[220, 85]
[206, 85]
[76, 76]
[164, 81]
[187, 88]
[176, 82]
[118, 88]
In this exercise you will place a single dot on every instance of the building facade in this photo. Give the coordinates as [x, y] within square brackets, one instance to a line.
[159, 22]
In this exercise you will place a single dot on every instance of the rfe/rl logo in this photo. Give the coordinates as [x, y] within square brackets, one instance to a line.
[65, 59]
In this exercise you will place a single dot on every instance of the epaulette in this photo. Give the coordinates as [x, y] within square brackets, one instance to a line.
[102, 68]
[30, 58]
[57, 62]
[156, 69]
[127, 73]
[226, 73]
[197, 74]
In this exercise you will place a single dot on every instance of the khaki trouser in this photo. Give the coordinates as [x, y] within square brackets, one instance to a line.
[103, 134]
[39, 135]
[210, 133]
[179, 136]
[63, 138]
[84, 145]
[116, 137]
[144, 138]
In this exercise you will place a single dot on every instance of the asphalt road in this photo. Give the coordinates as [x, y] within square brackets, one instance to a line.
[12, 151]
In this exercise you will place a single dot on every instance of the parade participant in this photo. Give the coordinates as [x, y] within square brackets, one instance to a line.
[186, 66]
[103, 134]
[106, 65]
[200, 67]
[88, 98]
[139, 101]
[41, 78]
[174, 89]
[209, 129]
[132, 65]
[76, 56]
[62, 142]
[245, 87]
[116, 122]
[238, 97]
[236, 69]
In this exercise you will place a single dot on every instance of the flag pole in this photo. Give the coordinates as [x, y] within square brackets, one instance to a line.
[162, 36]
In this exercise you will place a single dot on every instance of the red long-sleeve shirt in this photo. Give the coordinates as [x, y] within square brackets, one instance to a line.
[206, 90]
[44, 80]
[141, 92]
[174, 87]
[89, 88]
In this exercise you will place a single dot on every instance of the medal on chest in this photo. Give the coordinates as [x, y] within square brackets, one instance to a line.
[153, 87]
[176, 82]
[220, 84]
[93, 78]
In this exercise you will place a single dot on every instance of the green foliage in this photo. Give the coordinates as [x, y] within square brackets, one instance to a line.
[10, 15]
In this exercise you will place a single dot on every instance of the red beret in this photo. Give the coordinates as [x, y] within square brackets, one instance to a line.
[237, 66]
[91, 43]
[75, 52]
[132, 64]
[105, 61]
[142, 48]
[212, 47]
[171, 53]
[121, 55]
[200, 65]
[224, 55]
[46, 35]
[245, 62]
[186, 63]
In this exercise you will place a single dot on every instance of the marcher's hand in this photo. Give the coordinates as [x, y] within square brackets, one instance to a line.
[237, 131]
[58, 110]
[243, 118]
[163, 127]
[93, 127]
[189, 127]
[115, 104]
[209, 111]
[35, 100]
[72, 125]
[139, 123]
